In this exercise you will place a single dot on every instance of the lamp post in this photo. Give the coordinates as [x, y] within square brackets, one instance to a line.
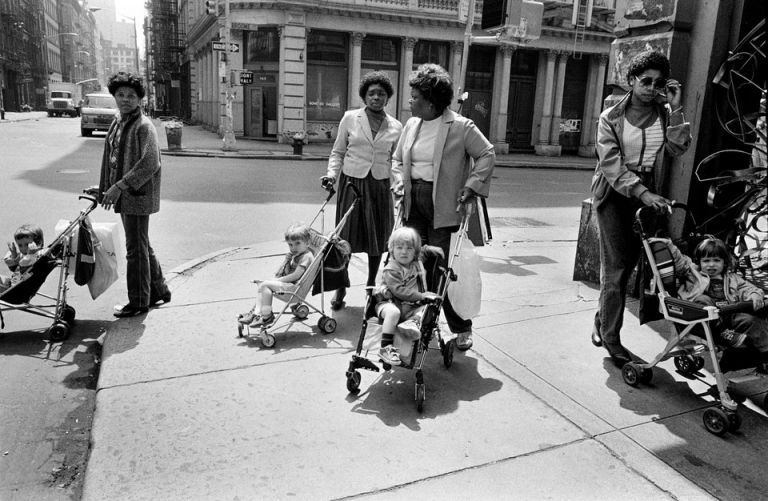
[135, 40]
[229, 132]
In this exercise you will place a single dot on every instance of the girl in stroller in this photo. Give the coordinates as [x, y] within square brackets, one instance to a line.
[404, 286]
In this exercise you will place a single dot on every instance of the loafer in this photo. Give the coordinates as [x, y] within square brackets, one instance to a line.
[597, 339]
[165, 298]
[618, 353]
[130, 311]
[464, 340]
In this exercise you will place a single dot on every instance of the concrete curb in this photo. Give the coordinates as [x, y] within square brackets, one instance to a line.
[241, 155]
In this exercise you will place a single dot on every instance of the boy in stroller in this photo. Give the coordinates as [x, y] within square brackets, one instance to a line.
[404, 285]
[22, 254]
[297, 260]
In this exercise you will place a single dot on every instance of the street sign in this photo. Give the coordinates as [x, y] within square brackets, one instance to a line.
[246, 77]
[219, 45]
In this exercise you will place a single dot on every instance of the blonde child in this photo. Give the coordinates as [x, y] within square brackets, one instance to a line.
[403, 285]
[721, 285]
[22, 254]
[296, 262]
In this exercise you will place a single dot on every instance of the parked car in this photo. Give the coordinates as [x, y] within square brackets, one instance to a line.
[97, 113]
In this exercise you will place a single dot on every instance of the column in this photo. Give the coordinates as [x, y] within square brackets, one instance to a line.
[586, 113]
[546, 115]
[457, 49]
[557, 112]
[593, 106]
[355, 60]
[499, 133]
[405, 70]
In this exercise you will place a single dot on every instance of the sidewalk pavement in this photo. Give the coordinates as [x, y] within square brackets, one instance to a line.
[13, 116]
[188, 410]
[199, 142]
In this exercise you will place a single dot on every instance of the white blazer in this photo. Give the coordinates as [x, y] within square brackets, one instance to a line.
[356, 152]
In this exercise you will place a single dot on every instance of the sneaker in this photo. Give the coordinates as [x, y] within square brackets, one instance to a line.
[410, 329]
[247, 318]
[263, 321]
[464, 340]
[731, 338]
[389, 355]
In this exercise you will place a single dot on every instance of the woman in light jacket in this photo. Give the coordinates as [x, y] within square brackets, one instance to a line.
[362, 155]
[633, 139]
[442, 160]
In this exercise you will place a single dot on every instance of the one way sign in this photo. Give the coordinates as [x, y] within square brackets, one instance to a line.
[219, 45]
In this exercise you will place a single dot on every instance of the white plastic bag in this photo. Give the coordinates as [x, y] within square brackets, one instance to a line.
[106, 245]
[466, 292]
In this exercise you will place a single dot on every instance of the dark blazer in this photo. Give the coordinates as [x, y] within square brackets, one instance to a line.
[138, 165]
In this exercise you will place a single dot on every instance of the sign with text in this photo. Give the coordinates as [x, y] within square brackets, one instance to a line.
[246, 77]
[219, 45]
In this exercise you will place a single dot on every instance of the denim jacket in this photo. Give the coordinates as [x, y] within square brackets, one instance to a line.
[611, 170]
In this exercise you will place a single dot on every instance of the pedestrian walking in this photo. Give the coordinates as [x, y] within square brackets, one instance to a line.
[362, 155]
[130, 184]
[634, 138]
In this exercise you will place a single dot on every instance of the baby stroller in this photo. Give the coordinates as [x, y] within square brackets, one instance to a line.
[326, 272]
[57, 254]
[430, 326]
[685, 346]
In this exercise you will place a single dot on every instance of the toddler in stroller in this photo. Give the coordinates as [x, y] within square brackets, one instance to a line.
[699, 322]
[22, 254]
[295, 264]
[403, 288]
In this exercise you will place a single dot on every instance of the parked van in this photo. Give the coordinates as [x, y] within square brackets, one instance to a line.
[97, 113]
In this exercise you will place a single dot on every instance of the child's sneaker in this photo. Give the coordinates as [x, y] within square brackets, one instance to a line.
[389, 355]
[410, 328]
[731, 338]
[263, 321]
[247, 318]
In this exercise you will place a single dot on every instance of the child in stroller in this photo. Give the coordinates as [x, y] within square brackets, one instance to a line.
[22, 254]
[722, 286]
[403, 288]
[296, 263]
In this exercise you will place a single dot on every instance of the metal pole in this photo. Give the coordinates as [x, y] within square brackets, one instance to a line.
[229, 133]
[465, 51]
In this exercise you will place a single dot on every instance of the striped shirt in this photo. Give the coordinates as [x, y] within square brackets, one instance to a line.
[642, 145]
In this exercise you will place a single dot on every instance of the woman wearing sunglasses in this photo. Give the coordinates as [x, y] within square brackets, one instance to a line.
[633, 139]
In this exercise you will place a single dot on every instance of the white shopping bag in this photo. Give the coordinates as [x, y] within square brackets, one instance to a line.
[466, 292]
[107, 247]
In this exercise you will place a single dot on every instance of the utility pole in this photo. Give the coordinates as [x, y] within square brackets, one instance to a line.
[229, 133]
[465, 51]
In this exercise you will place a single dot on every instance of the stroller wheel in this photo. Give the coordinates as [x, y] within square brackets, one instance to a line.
[421, 395]
[353, 381]
[631, 374]
[716, 421]
[268, 340]
[58, 331]
[646, 375]
[686, 365]
[301, 311]
[239, 329]
[327, 325]
[68, 314]
[447, 351]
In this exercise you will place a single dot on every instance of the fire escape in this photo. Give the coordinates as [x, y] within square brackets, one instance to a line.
[21, 59]
[166, 46]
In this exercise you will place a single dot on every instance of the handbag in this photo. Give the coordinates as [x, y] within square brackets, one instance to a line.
[84, 257]
[106, 246]
[465, 293]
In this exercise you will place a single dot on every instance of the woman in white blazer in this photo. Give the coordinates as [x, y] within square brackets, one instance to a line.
[362, 155]
[442, 159]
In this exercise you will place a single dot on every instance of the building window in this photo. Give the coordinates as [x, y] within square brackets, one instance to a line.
[427, 51]
[380, 51]
[326, 76]
[262, 46]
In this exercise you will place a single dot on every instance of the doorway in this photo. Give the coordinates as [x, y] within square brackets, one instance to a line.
[261, 108]
[522, 93]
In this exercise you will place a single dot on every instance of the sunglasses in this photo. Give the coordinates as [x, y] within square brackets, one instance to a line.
[657, 84]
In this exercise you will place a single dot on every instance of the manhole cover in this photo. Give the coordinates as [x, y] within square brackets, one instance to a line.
[518, 222]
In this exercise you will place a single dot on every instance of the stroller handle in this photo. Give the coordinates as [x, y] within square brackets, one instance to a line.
[642, 211]
[354, 189]
[90, 198]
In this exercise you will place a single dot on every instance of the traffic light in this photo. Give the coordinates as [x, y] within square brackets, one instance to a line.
[498, 13]
[210, 7]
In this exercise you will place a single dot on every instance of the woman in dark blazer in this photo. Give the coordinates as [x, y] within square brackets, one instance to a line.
[130, 183]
